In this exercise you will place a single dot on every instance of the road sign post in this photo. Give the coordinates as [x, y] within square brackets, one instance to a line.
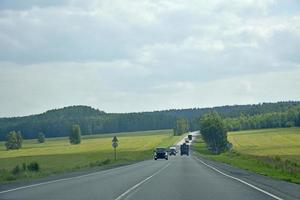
[115, 145]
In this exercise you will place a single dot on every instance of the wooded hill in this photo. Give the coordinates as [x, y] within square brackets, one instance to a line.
[58, 122]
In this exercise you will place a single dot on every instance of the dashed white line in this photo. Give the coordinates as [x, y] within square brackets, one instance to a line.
[140, 183]
[240, 180]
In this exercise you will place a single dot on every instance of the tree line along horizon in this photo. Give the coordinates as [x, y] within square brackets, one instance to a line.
[82, 119]
[212, 129]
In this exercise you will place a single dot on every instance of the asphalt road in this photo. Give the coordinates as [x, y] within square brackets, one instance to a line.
[179, 178]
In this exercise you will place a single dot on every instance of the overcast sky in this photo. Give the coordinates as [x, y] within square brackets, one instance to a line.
[144, 55]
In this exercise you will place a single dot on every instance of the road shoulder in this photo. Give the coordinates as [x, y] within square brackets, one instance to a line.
[283, 189]
[62, 176]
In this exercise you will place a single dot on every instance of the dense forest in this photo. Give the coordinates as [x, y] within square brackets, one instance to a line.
[287, 118]
[58, 122]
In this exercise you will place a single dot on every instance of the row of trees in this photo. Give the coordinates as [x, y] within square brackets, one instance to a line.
[15, 139]
[287, 118]
[214, 133]
[89, 120]
[56, 123]
[181, 126]
[214, 129]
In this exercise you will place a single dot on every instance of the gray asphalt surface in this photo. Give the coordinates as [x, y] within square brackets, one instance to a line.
[179, 178]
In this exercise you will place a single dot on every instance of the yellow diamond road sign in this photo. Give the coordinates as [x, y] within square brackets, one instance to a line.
[115, 139]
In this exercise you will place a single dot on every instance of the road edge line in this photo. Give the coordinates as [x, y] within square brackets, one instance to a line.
[105, 172]
[141, 182]
[240, 180]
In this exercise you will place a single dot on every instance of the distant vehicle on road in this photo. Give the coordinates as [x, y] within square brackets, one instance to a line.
[190, 137]
[160, 153]
[187, 140]
[184, 149]
[173, 151]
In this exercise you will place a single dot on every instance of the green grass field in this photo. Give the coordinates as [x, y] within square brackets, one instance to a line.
[283, 143]
[272, 152]
[57, 155]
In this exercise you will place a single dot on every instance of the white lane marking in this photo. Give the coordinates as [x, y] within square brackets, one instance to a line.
[75, 177]
[140, 183]
[240, 180]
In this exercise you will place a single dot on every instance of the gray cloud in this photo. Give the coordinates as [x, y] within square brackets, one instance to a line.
[124, 56]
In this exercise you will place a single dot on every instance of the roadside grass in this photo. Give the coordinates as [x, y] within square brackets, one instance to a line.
[57, 155]
[270, 152]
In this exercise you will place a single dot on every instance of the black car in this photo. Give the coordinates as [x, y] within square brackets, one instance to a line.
[160, 153]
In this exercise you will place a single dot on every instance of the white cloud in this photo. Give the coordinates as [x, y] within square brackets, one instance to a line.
[137, 55]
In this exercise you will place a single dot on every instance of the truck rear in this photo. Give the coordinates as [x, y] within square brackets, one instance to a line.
[184, 149]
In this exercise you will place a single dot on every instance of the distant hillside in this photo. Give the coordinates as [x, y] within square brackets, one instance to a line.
[57, 122]
[234, 110]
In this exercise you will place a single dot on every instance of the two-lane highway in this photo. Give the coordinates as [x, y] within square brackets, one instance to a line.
[179, 178]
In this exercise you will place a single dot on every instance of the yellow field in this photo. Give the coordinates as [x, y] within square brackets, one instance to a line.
[60, 146]
[270, 152]
[58, 155]
[284, 142]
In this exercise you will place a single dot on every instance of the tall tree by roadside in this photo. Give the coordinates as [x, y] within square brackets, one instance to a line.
[41, 137]
[213, 132]
[19, 139]
[14, 140]
[181, 126]
[75, 135]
